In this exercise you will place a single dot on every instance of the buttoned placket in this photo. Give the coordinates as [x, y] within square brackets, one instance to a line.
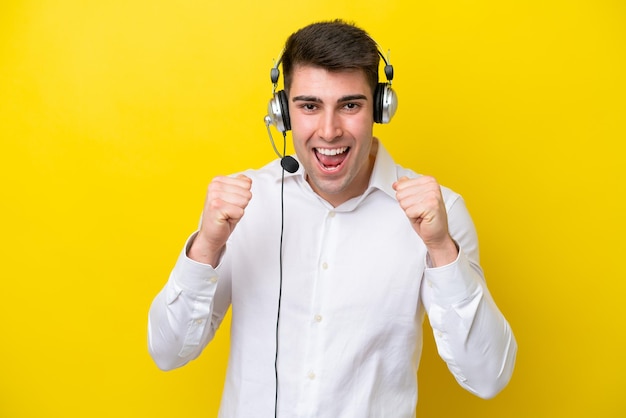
[317, 324]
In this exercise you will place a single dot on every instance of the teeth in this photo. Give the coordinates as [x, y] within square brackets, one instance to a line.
[332, 151]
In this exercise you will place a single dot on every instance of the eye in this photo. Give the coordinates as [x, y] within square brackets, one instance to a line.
[309, 107]
[351, 106]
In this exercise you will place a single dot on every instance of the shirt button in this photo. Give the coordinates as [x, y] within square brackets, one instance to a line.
[213, 280]
[318, 318]
[331, 214]
[325, 265]
[199, 321]
[311, 375]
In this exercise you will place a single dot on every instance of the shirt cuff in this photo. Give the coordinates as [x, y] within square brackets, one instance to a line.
[453, 282]
[192, 275]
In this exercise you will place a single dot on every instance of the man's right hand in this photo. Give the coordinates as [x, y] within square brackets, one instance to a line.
[226, 200]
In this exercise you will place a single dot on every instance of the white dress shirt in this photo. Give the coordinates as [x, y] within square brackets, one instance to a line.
[356, 285]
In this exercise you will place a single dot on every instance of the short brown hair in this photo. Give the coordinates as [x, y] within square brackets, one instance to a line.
[333, 45]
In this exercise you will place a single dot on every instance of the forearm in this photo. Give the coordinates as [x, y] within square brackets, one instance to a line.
[166, 332]
[182, 318]
[472, 335]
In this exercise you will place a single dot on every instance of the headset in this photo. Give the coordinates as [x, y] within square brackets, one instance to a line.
[385, 99]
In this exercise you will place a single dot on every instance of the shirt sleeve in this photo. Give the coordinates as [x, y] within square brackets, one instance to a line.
[186, 313]
[472, 336]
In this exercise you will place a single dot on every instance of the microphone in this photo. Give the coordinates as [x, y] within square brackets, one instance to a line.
[287, 162]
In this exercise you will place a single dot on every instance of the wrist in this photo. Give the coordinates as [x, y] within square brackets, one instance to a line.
[201, 251]
[444, 253]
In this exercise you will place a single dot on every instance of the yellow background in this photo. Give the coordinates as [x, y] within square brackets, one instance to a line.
[114, 116]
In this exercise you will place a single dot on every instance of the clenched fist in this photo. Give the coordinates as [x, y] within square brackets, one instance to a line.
[422, 201]
[226, 201]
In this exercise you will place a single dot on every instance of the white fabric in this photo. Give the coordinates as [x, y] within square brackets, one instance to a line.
[356, 284]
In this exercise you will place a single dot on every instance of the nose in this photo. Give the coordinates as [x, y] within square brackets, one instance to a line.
[329, 126]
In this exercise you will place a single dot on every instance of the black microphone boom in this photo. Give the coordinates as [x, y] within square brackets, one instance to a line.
[288, 163]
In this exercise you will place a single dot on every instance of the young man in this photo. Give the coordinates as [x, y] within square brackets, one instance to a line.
[368, 248]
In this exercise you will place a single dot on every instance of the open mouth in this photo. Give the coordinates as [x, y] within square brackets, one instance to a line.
[331, 159]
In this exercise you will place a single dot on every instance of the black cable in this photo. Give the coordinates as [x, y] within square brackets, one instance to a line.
[280, 274]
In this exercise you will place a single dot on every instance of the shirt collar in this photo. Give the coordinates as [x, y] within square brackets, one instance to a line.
[384, 173]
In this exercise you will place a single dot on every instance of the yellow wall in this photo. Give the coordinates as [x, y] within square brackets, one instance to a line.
[114, 115]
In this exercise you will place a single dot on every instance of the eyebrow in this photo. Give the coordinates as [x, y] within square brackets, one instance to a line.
[315, 99]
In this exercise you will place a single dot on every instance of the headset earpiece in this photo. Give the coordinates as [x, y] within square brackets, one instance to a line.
[385, 103]
[385, 99]
[278, 111]
[278, 107]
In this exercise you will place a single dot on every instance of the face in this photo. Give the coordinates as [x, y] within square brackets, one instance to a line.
[332, 123]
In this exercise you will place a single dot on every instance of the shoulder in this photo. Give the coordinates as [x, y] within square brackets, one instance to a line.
[267, 176]
[269, 171]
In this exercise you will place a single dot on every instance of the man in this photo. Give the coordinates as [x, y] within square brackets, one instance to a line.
[332, 325]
